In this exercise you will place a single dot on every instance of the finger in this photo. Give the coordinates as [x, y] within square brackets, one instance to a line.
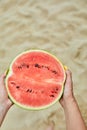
[61, 101]
[68, 82]
[2, 77]
[10, 103]
[49, 128]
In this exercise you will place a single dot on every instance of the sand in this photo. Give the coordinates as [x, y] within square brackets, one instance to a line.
[58, 26]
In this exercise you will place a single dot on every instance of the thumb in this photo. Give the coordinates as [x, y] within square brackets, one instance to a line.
[68, 83]
[51, 126]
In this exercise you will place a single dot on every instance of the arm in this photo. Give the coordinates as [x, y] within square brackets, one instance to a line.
[73, 115]
[5, 103]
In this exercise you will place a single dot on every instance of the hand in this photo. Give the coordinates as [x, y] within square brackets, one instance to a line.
[68, 95]
[5, 102]
[3, 93]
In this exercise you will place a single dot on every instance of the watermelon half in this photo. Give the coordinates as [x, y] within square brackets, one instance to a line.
[35, 80]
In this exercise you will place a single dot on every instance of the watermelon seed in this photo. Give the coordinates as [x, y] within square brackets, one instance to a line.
[37, 65]
[52, 95]
[19, 67]
[45, 67]
[25, 65]
[56, 89]
[13, 83]
[29, 90]
[48, 68]
[53, 71]
[17, 87]
[42, 66]
[53, 91]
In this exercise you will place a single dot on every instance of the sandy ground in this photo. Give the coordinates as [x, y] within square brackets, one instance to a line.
[58, 26]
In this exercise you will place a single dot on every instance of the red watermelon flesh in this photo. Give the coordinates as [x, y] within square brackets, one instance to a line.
[35, 80]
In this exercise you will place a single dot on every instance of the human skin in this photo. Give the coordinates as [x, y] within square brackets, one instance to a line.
[5, 102]
[73, 117]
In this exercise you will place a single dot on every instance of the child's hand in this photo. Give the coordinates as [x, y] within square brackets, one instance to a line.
[68, 90]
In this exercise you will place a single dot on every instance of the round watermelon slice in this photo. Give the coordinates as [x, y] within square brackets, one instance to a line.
[35, 80]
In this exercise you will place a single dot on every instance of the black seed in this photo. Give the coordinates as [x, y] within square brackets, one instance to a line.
[17, 86]
[27, 66]
[48, 68]
[45, 67]
[29, 90]
[53, 71]
[52, 95]
[53, 91]
[37, 65]
[13, 83]
[19, 67]
[56, 89]
[23, 65]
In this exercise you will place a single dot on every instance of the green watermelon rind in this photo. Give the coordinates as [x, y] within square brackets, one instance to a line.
[9, 72]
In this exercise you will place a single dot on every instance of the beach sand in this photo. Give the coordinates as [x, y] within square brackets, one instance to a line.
[57, 26]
